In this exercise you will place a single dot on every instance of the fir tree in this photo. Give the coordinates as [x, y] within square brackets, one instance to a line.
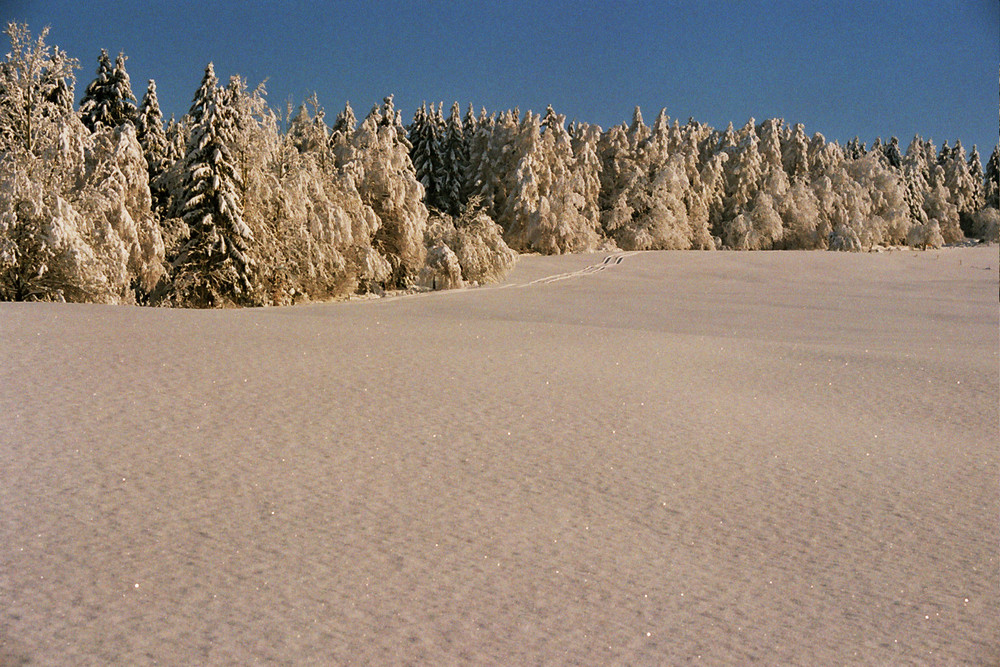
[108, 100]
[204, 96]
[425, 153]
[892, 154]
[454, 158]
[469, 123]
[991, 189]
[976, 173]
[795, 154]
[153, 139]
[213, 267]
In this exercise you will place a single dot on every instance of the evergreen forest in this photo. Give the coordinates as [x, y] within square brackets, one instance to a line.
[237, 204]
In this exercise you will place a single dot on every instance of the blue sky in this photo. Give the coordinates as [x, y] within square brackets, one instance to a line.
[842, 68]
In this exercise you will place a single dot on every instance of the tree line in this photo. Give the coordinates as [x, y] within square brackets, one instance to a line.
[238, 204]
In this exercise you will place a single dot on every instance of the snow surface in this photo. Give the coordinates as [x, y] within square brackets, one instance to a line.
[788, 457]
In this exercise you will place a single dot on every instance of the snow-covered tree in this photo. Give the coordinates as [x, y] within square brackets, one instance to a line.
[940, 208]
[108, 100]
[155, 146]
[745, 170]
[388, 184]
[75, 222]
[425, 153]
[212, 268]
[344, 125]
[991, 189]
[493, 159]
[892, 154]
[308, 131]
[975, 165]
[795, 154]
[32, 77]
[475, 241]
[205, 96]
[454, 162]
[546, 208]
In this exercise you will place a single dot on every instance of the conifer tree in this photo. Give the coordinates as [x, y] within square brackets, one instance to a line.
[991, 189]
[892, 154]
[213, 267]
[155, 146]
[341, 134]
[204, 96]
[975, 165]
[795, 154]
[108, 100]
[345, 123]
[469, 123]
[546, 208]
[389, 186]
[424, 153]
[454, 159]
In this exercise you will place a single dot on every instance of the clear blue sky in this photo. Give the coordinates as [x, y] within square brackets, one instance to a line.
[866, 68]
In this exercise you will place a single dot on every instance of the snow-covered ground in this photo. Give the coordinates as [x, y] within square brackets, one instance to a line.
[789, 457]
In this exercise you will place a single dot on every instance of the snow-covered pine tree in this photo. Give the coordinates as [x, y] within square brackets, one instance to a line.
[204, 96]
[940, 209]
[469, 124]
[341, 135]
[454, 162]
[795, 154]
[975, 165]
[108, 100]
[892, 154]
[962, 190]
[991, 188]
[424, 153]
[96, 102]
[770, 143]
[493, 160]
[176, 139]
[75, 220]
[344, 125]
[744, 172]
[212, 268]
[546, 208]
[308, 132]
[155, 146]
[855, 149]
[587, 171]
[388, 184]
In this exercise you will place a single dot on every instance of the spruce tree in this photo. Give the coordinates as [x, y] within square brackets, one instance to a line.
[418, 150]
[976, 173]
[343, 125]
[204, 95]
[152, 138]
[892, 154]
[95, 105]
[108, 101]
[469, 123]
[991, 189]
[425, 153]
[454, 157]
[213, 267]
